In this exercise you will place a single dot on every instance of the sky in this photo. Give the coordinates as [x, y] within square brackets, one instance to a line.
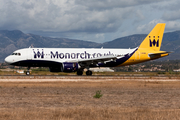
[90, 20]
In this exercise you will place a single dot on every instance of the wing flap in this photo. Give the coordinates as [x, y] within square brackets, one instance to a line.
[102, 59]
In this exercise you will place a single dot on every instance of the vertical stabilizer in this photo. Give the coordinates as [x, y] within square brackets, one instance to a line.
[154, 39]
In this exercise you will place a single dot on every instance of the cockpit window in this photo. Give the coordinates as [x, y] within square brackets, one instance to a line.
[17, 54]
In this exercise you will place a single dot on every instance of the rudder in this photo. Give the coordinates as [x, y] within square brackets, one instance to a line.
[154, 38]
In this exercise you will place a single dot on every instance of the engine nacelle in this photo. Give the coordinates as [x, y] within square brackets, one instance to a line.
[70, 67]
[65, 67]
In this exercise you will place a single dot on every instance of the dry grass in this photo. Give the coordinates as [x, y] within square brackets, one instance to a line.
[86, 113]
[127, 100]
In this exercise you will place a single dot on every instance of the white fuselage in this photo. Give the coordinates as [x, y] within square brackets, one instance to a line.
[61, 55]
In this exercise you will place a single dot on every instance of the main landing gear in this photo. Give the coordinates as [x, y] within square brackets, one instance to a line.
[79, 72]
[88, 72]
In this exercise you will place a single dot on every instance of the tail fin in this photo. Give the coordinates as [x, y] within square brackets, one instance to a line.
[154, 39]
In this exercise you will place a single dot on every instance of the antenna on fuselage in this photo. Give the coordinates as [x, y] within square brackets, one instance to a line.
[31, 46]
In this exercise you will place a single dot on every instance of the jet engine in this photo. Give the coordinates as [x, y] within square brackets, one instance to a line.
[65, 67]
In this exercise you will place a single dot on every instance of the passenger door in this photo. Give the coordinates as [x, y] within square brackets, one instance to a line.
[29, 54]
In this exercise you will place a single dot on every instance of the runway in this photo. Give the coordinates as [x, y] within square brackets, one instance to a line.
[37, 78]
[55, 96]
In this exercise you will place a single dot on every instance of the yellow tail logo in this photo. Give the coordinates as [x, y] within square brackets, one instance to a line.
[149, 48]
[154, 39]
[154, 42]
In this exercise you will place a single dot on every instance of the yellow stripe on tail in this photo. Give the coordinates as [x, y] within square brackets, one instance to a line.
[149, 48]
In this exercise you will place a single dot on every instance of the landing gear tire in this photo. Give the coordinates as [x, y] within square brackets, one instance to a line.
[88, 73]
[79, 72]
[27, 73]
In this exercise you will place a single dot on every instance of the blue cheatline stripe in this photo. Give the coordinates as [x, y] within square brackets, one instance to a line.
[118, 61]
[37, 63]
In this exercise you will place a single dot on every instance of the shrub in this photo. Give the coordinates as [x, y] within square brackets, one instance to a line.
[98, 94]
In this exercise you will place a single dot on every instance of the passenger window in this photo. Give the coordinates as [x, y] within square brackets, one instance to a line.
[15, 53]
[19, 54]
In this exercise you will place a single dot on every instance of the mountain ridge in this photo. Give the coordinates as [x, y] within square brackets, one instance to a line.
[16, 39]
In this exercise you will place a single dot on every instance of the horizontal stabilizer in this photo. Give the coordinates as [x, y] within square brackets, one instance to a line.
[158, 53]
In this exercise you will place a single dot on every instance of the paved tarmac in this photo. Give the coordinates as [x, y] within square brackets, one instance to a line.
[36, 78]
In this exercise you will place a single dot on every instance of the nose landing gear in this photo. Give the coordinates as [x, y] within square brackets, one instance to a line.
[28, 72]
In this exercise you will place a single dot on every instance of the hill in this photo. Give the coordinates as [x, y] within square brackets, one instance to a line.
[13, 40]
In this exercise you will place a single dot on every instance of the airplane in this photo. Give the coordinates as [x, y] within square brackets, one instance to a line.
[77, 59]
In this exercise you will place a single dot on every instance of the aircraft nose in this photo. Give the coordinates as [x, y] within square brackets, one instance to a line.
[8, 60]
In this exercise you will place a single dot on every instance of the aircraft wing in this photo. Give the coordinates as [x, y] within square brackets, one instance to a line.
[94, 61]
